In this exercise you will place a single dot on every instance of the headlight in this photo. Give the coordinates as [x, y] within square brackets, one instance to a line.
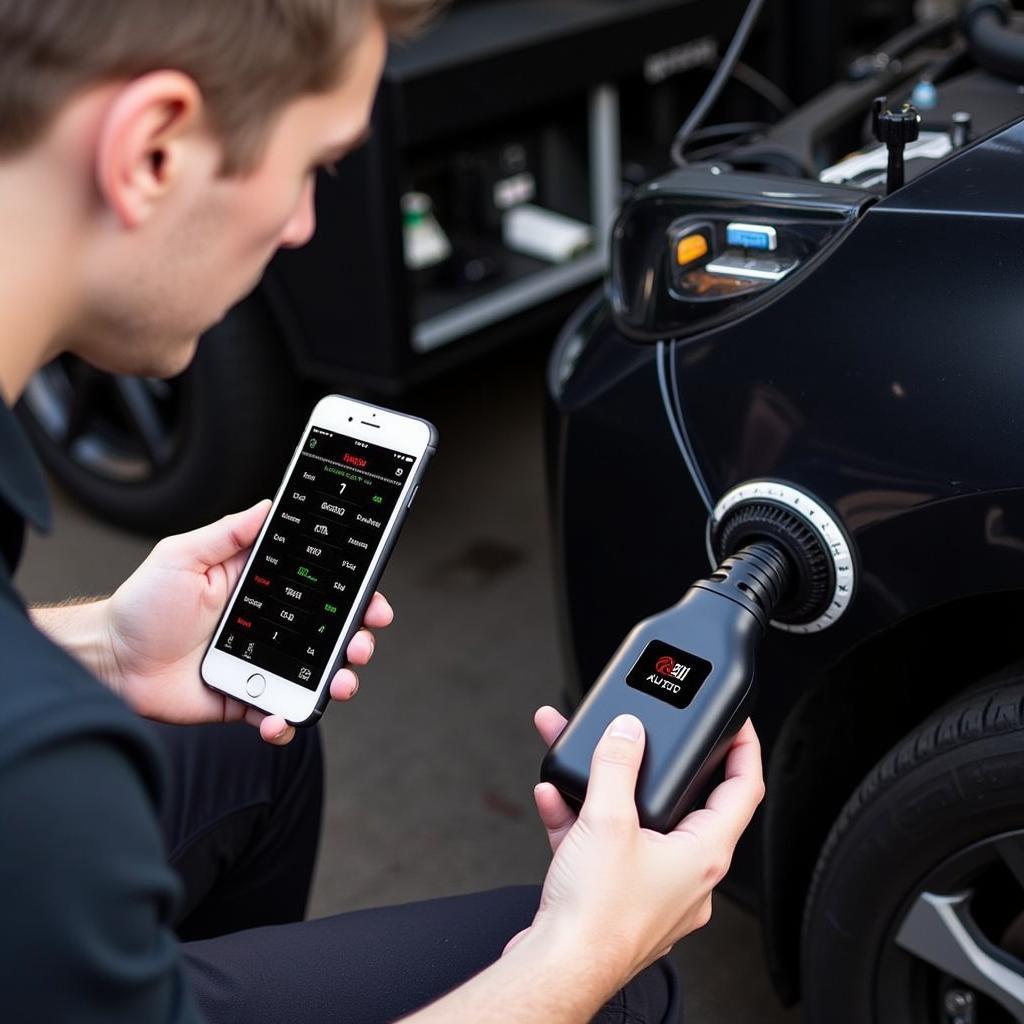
[703, 245]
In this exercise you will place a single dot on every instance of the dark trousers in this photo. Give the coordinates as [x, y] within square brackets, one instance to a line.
[241, 823]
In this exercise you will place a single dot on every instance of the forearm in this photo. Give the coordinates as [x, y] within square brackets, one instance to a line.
[80, 627]
[540, 979]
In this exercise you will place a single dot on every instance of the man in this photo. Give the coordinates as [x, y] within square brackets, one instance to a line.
[152, 158]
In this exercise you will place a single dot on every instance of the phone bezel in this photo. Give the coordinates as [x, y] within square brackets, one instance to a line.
[407, 434]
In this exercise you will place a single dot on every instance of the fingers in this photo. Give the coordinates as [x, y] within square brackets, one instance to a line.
[555, 814]
[611, 791]
[275, 730]
[744, 758]
[345, 684]
[216, 543]
[360, 648]
[379, 613]
[233, 711]
[732, 803]
[549, 723]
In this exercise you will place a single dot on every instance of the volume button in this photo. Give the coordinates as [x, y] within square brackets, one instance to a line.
[412, 497]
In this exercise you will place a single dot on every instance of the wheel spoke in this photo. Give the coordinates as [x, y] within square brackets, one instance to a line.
[940, 931]
[140, 407]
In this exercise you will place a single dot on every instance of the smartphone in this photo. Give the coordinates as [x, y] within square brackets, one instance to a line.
[318, 558]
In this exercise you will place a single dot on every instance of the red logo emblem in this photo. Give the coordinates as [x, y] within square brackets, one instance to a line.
[663, 666]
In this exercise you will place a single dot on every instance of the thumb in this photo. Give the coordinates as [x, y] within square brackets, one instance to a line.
[614, 768]
[219, 541]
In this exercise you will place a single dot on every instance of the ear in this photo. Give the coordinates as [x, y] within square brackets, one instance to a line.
[151, 130]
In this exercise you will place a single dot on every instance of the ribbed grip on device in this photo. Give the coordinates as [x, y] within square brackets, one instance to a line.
[812, 578]
[759, 576]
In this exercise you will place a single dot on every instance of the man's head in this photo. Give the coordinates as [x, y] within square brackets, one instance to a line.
[177, 144]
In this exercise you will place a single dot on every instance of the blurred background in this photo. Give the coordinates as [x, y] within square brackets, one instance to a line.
[449, 251]
[478, 215]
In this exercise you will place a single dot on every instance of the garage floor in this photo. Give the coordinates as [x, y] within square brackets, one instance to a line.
[431, 768]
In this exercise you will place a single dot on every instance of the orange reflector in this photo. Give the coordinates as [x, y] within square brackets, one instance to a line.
[690, 248]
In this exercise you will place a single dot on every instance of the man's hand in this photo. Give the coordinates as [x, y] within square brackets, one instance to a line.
[158, 624]
[617, 897]
[627, 893]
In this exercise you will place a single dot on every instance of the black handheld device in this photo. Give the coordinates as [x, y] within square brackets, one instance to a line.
[688, 674]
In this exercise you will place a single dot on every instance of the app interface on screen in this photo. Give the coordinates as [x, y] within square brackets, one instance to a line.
[314, 556]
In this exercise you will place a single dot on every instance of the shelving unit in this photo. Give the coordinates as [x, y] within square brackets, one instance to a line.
[544, 75]
[529, 282]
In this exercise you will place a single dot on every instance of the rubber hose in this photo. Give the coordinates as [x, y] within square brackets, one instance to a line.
[995, 45]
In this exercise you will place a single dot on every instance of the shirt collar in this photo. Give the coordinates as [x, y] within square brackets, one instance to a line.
[22, 483]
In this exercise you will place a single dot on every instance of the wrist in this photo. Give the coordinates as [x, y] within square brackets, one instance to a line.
[548, 975]
[82, 629]
[589, 966]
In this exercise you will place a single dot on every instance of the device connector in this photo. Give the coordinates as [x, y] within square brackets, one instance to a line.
[759, 577]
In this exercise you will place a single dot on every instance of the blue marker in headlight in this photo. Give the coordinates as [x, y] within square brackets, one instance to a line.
[752, 236]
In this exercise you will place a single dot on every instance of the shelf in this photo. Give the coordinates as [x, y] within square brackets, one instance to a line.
[444, 315]
[492, 307]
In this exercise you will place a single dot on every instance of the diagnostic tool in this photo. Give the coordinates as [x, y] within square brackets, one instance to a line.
[688, 672]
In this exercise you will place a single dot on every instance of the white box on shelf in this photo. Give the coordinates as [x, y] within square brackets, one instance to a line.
[545, 234]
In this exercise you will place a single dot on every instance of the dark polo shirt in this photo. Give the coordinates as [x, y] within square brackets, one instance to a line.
[85, 891]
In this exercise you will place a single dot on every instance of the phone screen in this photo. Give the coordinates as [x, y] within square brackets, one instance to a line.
[314, 556]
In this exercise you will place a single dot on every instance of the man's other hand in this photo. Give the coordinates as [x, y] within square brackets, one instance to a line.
[625, 893]
[160, 621]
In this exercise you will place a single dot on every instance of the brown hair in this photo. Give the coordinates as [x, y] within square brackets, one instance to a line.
[248, 57]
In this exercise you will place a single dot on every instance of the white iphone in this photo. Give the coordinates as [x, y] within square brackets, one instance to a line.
[319, 557]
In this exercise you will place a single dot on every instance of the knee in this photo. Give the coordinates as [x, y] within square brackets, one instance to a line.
[659, 994]
[290, 773]
[313, 753]
[302, 763]
[652, 996]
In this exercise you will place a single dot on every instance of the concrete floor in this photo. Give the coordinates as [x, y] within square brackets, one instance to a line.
[431, 768]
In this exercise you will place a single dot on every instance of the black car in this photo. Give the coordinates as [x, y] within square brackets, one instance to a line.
[798, 333]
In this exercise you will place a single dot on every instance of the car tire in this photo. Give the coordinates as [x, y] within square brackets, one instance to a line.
[222, 430]
[923, 871]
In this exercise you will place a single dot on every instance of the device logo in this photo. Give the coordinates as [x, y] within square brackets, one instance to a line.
[676, 676]
[668, 666]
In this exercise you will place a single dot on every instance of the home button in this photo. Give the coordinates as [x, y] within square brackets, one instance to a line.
[255, 685]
